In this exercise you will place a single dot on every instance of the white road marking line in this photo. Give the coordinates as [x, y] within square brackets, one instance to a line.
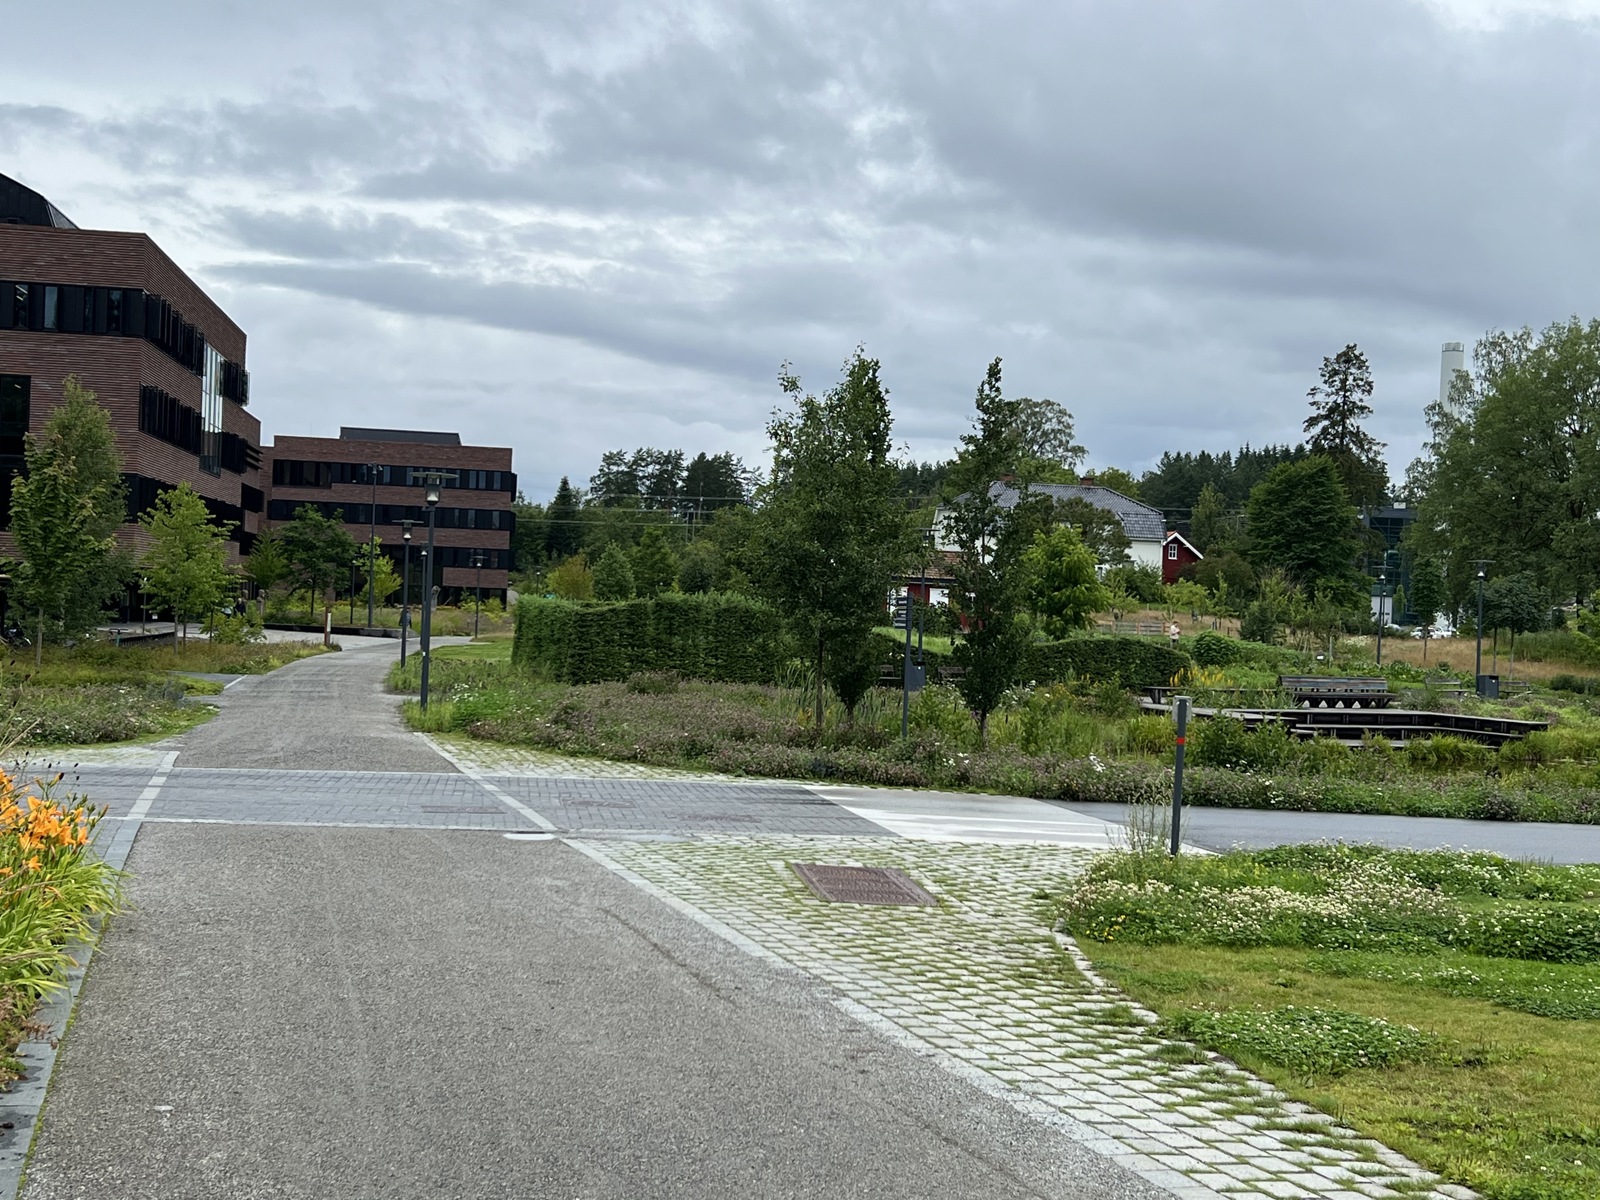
[141, 806]
[511, 802]
[313, 824]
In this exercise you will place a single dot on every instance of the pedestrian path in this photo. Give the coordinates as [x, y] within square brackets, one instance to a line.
[982, 983]
[959, 817]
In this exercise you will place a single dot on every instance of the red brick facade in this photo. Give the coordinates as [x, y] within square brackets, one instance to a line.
[453, 542]
[116, 367]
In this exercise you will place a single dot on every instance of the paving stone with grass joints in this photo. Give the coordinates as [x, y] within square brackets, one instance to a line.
[982, 979]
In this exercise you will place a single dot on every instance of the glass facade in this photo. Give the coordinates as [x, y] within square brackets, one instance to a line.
[211, 413]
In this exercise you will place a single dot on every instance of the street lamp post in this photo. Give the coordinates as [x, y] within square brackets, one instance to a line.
[1383, 580]
[1477, 664]
[405, 588]
[433, 483]
[477, 561]
[372, 541]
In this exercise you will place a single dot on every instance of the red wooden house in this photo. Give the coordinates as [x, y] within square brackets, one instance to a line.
[1176, 554]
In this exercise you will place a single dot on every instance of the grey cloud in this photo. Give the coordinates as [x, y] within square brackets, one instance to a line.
[1150, 217]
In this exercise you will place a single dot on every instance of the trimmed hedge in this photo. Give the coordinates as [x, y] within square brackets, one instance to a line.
[1129, 661]
[714, 636]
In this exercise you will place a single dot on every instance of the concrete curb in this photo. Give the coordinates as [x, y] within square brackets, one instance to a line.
[22, 1106]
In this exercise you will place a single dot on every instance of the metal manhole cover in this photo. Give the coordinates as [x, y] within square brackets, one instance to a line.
[457, 808]
[861, 885]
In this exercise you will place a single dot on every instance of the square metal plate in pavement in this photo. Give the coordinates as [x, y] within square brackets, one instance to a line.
[861, 885]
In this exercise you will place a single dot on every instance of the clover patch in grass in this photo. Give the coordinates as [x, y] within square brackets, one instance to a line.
[1311, 1042]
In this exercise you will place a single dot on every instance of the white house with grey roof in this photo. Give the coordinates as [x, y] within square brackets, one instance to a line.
[1145, 526]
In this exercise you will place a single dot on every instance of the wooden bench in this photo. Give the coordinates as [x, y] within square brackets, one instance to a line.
[1328, 691]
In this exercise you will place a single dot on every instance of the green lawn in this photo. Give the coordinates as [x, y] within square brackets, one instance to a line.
[483, 650]
[1479, 1059]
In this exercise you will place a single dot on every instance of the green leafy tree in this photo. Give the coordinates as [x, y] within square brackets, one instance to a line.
[1302, 523]
[1339, 404]
[385, 580]
[1099, 529]
[1517, 604]
[530, 531]
[613, 575]
[1208, 528]
[1397, 606]
[1044, 445]
[266, 566]
[563, 535]
[319, 551]
[1513, 471]
[1117, 480]
[186, 565]
[1228, 572]
[1065, 588]
[1138, 581]
[699, 566]
[830, 535]
[655, 566]
[990, 586]
[65, 512]
[572, 579]
[1428, 597]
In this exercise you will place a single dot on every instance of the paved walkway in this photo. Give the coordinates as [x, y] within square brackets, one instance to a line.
[360, 963]
[324, 713]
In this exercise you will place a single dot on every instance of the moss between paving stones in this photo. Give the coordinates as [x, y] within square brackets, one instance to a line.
[983, 978]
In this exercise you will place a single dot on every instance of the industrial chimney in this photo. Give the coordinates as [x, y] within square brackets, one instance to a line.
[1452, 358]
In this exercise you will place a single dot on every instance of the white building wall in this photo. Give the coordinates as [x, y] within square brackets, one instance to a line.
[1145, 554]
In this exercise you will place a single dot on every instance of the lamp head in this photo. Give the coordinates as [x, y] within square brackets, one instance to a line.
[431, 494]
[1481, 576]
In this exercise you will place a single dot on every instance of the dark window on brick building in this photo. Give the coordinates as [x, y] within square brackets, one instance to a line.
[165, 417]
[14, 396]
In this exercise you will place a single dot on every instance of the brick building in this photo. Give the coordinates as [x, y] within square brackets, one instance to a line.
[376, 473]
[164, 361]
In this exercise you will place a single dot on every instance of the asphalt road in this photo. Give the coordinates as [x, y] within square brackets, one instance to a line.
[293, 1013]
[1229, 828]
[324, 713]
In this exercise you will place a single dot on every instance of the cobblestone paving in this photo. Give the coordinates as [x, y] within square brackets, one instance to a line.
[609, 807]
[149, 755]
[488, 758]
[982, 979]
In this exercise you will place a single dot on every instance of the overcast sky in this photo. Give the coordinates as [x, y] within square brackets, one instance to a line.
[592, 225]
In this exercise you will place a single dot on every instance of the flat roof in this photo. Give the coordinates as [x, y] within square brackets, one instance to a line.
[349, 433]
